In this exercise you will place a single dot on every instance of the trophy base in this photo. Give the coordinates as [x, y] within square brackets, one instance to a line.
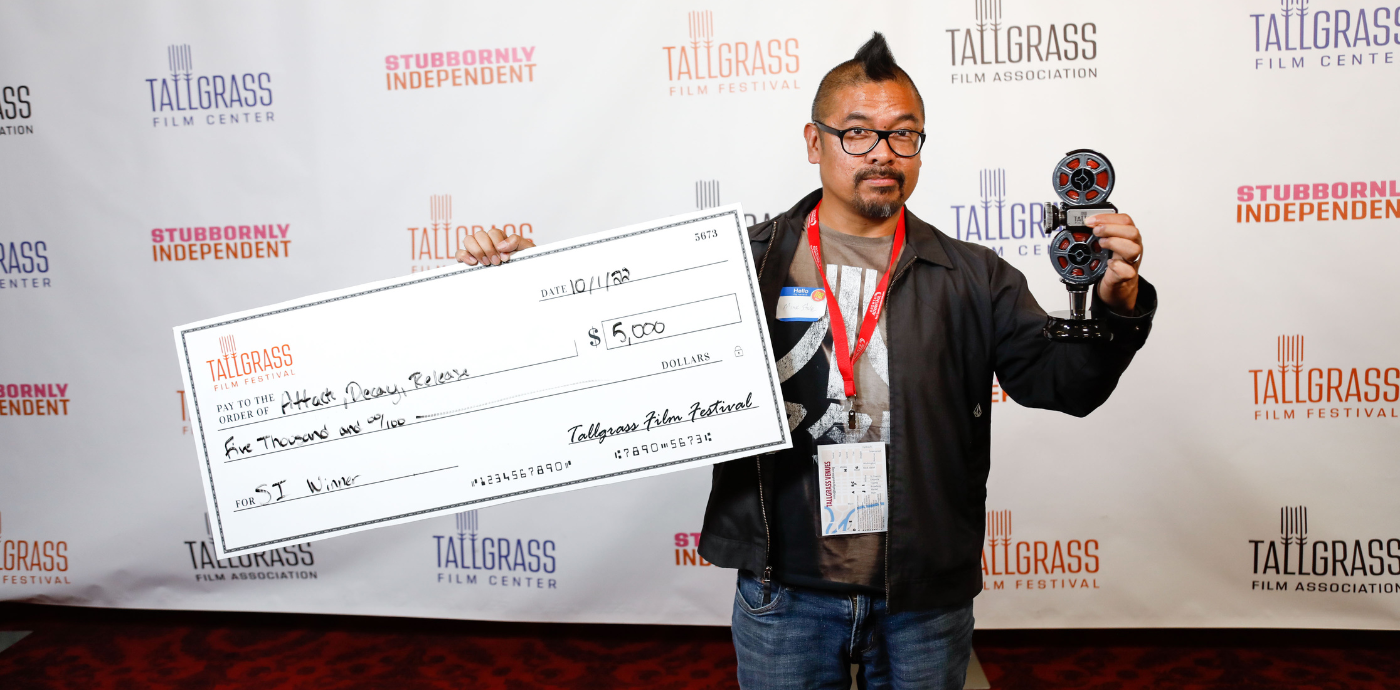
[1060, 326]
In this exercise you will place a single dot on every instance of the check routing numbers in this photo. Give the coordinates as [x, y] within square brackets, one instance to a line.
[595, 390]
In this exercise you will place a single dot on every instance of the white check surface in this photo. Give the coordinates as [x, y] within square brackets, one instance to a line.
[615, 356]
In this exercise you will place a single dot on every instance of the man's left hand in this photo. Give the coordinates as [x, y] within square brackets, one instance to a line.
[1119, 287]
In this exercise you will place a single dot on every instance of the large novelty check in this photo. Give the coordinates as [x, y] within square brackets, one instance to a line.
[615, 356]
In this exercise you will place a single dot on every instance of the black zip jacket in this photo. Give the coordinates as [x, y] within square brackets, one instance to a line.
[956, 314]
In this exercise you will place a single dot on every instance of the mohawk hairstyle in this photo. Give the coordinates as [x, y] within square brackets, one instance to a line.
[872, 63]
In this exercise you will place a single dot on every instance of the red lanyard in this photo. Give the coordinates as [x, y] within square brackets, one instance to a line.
[846, 357]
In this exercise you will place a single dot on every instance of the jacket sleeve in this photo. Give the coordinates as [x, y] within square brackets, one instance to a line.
[1069, 377]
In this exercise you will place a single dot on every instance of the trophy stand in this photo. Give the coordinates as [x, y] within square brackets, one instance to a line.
[1083, 180]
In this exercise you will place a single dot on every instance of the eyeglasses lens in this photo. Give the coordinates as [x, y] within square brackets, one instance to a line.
[861, 141]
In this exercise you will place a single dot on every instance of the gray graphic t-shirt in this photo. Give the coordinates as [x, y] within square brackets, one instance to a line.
[853, 269]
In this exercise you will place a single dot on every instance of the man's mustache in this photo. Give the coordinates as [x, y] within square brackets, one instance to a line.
[876, 171]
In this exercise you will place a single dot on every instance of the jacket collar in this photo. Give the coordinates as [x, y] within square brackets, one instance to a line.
[921, 238]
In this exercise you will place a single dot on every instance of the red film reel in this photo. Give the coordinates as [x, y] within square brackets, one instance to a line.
[1084, 177]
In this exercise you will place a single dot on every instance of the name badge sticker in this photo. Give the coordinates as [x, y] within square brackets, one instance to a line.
[801, 304]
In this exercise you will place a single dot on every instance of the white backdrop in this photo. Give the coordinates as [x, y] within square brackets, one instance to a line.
[1242, 475]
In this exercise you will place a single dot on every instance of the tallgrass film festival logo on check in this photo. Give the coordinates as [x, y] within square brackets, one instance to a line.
[1301, 560]
[1036, 564]
[470, 557]
[1303, 34]
[1292, 390]
[191, 98]
[996, 49]
[704, 65]
[459, 68]
[435, 244]
[233, 368]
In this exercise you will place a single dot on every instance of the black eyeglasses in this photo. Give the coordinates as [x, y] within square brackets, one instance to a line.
[858, 141]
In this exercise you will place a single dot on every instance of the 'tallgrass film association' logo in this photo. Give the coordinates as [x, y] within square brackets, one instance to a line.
[1359, 564]
[1290, 390]
[1300, 35]
[210, 99]
[471, 558]
[1036, 564]
[702, 66]
[15, 105]
[287, 563]
[993, 50]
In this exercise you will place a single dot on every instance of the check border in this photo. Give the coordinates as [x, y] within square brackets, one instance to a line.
[754, 295]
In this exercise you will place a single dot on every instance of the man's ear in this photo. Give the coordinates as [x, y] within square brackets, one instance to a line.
[814, 143]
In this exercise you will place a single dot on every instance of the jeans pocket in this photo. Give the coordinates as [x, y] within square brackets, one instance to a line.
[748, 594]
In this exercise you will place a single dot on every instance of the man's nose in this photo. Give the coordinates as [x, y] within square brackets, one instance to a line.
[881, 154]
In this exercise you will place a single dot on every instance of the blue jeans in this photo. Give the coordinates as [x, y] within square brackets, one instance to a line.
[807, 639]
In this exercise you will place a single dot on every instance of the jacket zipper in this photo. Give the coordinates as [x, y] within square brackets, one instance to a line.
[758, 459]
[887, 526]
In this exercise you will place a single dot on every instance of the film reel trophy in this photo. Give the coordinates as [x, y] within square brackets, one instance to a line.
[1083, 180]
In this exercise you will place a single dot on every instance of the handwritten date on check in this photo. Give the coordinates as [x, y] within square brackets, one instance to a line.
[614, 356]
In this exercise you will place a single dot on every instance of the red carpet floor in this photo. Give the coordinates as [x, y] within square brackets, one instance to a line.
[102, 648]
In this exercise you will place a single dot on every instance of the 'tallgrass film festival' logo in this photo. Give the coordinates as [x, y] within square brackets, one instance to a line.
[453, 68]
[24, 264]
[702, 66]
[1355, 564]
[26, 560]
[15, 105]
[232, 368]
[1290, 390]
[1036, 564]
[435, 244]
[210, 99]
[471, 558]
[1299, 35]
[993, 50]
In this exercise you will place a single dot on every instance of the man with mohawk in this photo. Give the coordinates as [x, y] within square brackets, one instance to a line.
[913, 327]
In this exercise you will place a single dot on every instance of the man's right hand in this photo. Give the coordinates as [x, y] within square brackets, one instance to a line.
[491, 247]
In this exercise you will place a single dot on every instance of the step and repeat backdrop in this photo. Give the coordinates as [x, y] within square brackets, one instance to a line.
[168, 162]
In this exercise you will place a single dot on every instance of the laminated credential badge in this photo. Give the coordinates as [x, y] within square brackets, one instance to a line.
[801, 304]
